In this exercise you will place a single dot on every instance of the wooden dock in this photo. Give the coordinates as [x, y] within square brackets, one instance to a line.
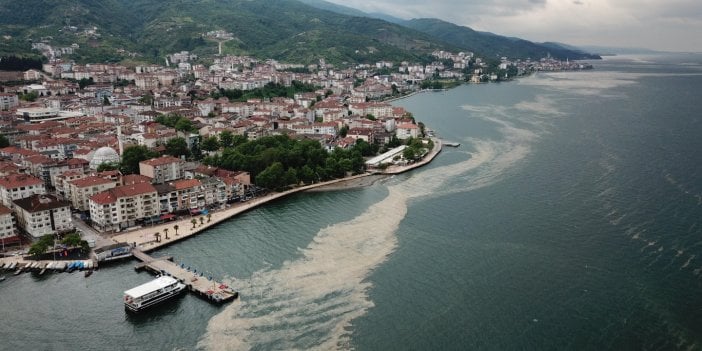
[208, 289]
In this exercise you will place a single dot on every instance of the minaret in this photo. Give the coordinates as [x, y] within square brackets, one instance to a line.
[119, 140]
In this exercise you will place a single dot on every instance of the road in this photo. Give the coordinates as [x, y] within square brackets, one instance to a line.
[90, 234]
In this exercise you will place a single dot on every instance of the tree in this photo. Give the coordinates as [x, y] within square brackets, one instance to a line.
[85, 82]
[363, 148]
[31, 96]
[210, 144]
[165, 231]
[175, 227]
[146, 99]
[177, 147]
[226, 138]
[132, 156]
[158, 237]
[290, 177]
[272, 176]
[306, 174]
[106, 101]
[185, 125]
[370, 117]
[108, 166]
[209, 217]
[4, 142]
[41, 245]
[343, 131]
[194, 222]
[202, 220]
[72, 239]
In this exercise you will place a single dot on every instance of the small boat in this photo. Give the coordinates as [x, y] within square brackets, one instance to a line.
[88, 272]
[2, 278]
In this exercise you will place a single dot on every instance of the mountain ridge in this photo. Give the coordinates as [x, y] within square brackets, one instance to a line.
[148, 30]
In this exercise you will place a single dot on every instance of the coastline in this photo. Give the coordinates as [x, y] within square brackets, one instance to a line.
[144, 238]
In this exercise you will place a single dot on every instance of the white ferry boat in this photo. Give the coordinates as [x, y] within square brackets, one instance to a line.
[152, 293]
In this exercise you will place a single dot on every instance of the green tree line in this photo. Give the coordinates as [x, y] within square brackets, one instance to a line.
[277, 162]
[270, 90]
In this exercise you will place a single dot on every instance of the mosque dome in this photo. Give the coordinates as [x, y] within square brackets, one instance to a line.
[102, 155]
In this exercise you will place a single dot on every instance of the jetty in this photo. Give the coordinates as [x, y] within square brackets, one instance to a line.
[205, 287]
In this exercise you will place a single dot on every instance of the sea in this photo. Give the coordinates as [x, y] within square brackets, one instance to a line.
[570, 218]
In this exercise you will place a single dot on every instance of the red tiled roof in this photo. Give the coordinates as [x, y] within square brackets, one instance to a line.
[111, 195]
[130, 179]
[184, 183]
[90, 181]
[160, 161]
[4, 210]
[133, 190]
[13, 181]
[103, 198]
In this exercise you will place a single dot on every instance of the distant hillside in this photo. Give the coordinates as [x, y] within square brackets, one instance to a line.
[492, 45]
[483, 43]
[282, 29]
[329, 6]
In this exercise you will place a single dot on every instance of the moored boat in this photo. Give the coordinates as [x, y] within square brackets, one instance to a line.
[152, 293]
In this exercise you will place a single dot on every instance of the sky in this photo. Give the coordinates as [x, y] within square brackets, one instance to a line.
[666, 25]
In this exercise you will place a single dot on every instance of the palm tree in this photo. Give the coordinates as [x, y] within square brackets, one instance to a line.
[202, 220]
[193, 221]
[209, 217]
[176, 229]
[165, 231]
[158, 237]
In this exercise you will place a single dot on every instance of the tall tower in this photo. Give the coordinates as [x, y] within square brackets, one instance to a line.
[120, 143]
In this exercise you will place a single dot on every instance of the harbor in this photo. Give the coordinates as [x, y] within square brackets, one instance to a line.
[196, 282]
[139, 242]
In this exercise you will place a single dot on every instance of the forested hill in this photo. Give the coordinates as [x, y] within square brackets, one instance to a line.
[492, 45]
[287, 30]
[282, 29]
[484, 43]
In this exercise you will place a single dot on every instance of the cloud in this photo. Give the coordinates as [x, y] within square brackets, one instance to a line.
[664, 25]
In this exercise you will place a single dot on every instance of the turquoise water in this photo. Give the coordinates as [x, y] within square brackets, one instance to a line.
[568, 219]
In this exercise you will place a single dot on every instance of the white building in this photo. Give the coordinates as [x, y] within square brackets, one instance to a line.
[8, 101]
[7, 225]
[162, 169]
[407, 130]
[124, 206]
[81, 190]
[19, 186]
[40, 215]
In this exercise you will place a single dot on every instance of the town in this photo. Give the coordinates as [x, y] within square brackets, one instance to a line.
[120, 147]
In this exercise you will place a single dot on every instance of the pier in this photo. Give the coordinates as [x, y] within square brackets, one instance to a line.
[204, 287]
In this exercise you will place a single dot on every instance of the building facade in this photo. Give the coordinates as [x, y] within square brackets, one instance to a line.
[124, 206]
[19, 186]
[162, 169]
[41, 215]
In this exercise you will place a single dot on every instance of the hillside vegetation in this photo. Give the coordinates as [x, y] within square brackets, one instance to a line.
[287, 30]
[282, 29]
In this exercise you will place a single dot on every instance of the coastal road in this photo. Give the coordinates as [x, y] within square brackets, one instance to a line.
[90, 234]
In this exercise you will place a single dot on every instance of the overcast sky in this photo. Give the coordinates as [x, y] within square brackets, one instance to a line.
[669, 25]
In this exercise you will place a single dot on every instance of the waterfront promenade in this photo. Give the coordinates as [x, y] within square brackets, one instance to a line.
[144, 238]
